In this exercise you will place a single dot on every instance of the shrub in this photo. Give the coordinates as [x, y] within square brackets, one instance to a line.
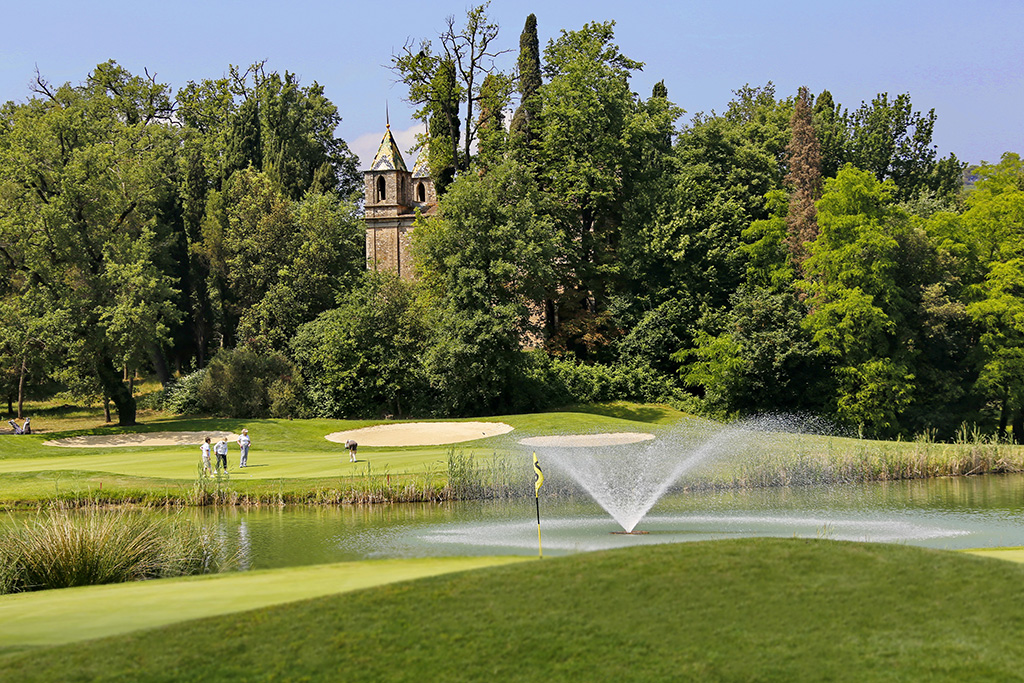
[59, 549]
[182, 395]
[572, 381]
[244, 383]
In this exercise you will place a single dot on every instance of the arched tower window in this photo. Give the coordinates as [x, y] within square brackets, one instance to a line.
[421, 193]
[382, 189]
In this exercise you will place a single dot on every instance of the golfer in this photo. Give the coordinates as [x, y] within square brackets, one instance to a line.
[243, 445]
[221, 450]
[351, 445]
[205, 449]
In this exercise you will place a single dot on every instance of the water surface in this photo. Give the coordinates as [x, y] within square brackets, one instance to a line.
[967, 512]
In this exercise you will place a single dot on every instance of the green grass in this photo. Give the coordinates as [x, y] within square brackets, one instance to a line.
[58, 617]
[289, 458]
[292, 462]
[751, 609]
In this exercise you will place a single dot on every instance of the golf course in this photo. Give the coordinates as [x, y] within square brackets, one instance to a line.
[757, 609]
[730, 609]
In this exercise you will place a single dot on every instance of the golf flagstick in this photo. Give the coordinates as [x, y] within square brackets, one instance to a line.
[537, 484]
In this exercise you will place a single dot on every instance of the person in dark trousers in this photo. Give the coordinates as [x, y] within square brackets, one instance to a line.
[221, 449]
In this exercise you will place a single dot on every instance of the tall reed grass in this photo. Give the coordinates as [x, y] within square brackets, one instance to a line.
[828, 460]
[60, 548]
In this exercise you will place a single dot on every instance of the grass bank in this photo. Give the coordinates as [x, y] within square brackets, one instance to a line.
[292, 463]
[60, 617]
[751, 609]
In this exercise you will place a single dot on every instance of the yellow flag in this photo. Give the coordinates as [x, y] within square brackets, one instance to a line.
[539, 475]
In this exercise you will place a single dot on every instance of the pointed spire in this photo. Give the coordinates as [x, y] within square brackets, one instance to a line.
[389, 156]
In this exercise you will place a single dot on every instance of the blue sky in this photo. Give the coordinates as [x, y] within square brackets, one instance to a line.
[965, 60]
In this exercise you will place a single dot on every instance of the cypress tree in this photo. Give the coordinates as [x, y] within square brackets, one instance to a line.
[803, 178]
[491, 125]
[526, 119]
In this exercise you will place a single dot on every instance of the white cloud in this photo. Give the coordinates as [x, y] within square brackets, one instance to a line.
[365, 146]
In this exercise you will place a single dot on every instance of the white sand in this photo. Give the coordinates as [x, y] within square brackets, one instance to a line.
[587, 440]
[421, 433]
[144, 439]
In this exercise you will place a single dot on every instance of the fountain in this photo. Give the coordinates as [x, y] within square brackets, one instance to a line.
[627, 480]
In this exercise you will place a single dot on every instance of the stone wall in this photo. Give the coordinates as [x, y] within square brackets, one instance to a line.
[387, 247]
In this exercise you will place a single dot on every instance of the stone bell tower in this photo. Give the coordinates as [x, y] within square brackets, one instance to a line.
[393, 195]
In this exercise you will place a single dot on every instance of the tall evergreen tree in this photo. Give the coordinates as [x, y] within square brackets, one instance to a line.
[525, 121]
[441, 114]
[491, 135]
[803, 178]
[830, 127]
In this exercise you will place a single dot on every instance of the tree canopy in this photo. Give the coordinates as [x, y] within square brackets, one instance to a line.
[787, 253]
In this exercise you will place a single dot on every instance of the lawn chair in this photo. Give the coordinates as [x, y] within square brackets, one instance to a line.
[17, 429]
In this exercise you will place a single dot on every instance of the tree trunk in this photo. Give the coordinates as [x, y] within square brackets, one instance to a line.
[1018, 425]
[106, 408]
[1004, 415]
[156, 354]
[112, 385]
[21, 387]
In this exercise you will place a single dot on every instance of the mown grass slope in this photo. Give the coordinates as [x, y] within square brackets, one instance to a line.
[753, 609]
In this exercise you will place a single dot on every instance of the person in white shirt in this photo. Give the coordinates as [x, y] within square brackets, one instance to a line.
[205, 449]
[221, 450]
[243, 445]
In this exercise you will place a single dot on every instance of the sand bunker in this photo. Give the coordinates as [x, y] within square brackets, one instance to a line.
[421, 433]
[144, 439]
[587, 440]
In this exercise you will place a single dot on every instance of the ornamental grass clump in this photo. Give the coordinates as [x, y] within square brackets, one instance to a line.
[60, 549]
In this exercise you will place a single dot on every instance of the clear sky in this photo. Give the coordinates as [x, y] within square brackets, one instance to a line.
[964, 59]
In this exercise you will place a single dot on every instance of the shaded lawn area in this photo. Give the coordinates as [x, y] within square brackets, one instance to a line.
[749, 609]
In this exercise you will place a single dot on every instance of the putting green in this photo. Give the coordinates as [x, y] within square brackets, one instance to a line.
[1011, 554]
[71, 614]
[179, 463]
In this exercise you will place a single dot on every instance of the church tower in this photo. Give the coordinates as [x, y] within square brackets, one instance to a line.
[393, 194]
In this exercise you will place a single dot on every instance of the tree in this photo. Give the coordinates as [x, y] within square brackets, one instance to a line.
[275, 263]
[587, 106]
[365, 357]
[251, 121]
[272, 123]
[803, 178]
[830, 126]
[84, 169]
[323, 260]
[467, 54]
[861, 286]
[894, 142]
[761, 360]
[525, 128]
[728, 167]
[491, 247]
[990, 240]
[491, 127]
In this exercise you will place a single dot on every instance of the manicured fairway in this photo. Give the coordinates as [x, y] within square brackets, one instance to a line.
[71, 614]
[175, 462]
[736, 610]
[287, 455]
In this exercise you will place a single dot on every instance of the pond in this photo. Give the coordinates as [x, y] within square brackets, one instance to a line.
[966, 512]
